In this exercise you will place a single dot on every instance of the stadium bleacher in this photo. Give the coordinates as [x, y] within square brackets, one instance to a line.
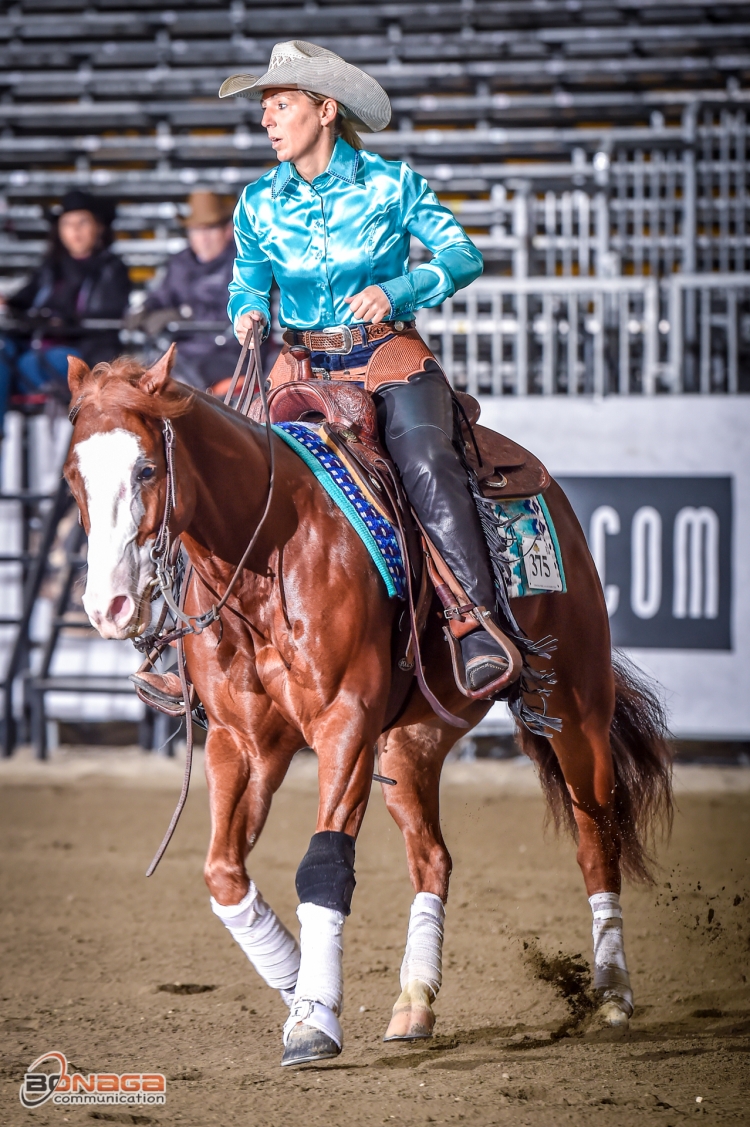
[640, 103]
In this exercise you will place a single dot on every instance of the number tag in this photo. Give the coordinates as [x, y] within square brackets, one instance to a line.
[540, 563]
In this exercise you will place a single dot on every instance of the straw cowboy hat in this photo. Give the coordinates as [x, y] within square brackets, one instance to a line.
[297, 65]
[208, 210]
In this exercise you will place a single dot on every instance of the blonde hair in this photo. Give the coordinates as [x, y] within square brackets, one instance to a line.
[343, 126]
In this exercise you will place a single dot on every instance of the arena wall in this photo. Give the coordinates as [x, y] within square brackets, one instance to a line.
[662, 490]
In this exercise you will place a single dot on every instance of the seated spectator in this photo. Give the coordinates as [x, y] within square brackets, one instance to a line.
[194, 287]
[79, 279]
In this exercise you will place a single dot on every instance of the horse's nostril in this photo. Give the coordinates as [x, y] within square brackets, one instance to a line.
[119, 604]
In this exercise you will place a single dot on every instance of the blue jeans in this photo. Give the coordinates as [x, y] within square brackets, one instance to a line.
[30, 370]
[7, 356]
[357, 358]
[37, 368]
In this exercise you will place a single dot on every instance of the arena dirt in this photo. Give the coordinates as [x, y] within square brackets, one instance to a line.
[124, 974]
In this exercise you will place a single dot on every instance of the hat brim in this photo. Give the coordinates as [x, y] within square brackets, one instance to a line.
[191, 224]
[363, 99]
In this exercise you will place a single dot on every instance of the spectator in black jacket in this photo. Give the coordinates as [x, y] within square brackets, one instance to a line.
[194, 288]
[80, 279]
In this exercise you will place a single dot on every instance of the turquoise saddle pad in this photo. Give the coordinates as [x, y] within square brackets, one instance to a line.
[376, 533]
[531, 553]
[530, 548]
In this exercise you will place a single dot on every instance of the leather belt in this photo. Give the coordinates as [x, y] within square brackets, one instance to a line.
[340, 340]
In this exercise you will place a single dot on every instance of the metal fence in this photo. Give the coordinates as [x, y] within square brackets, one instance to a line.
[631, 279]
[708, 327]
[642, 201]
[595, 336]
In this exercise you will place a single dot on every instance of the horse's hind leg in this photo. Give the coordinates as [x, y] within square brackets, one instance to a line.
[414, 756]
[585, 756]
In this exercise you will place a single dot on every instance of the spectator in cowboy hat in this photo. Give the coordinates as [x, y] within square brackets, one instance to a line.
[194, 287]
[80, 279]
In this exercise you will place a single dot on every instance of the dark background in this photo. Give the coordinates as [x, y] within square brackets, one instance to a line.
[668, 495]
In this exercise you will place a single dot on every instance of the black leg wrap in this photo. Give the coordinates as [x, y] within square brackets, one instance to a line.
[326, 873]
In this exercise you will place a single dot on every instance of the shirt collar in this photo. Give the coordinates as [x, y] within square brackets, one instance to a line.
[343, 163]
[281, 178]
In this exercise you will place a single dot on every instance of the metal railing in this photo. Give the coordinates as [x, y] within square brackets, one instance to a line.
[549, 336]
[708, 332]
[595, 336]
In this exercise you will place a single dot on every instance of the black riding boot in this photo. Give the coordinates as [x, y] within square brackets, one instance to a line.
[417, 425]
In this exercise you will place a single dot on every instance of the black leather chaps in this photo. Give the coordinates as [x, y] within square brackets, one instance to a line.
[416, 422]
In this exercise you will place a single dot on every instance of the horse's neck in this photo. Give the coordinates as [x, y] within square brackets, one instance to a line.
[222, 475]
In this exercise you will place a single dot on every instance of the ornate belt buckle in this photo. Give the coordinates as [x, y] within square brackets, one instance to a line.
[346, 333]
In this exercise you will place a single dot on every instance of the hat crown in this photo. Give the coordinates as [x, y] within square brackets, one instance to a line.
[208, 209]
[292, 50]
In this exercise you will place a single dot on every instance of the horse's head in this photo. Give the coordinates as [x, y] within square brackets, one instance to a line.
[117, 473]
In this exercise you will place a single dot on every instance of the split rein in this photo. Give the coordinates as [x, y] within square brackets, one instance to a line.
[165, 554]
[162, 553]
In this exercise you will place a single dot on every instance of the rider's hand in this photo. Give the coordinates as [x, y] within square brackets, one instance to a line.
[244, 325]
[370, 305]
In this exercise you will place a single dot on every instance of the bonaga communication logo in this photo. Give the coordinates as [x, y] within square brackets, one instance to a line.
[48, 1079]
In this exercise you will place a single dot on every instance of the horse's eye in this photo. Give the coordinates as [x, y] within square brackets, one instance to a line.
[146, 473]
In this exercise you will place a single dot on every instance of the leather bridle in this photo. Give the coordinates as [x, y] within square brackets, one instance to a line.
[162, 552]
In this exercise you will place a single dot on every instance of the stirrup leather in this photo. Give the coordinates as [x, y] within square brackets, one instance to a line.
[463, 618]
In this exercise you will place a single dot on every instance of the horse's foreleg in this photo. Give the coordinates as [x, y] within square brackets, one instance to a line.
[585, 757]
[325, 884]
[240, 796]
[414, 756]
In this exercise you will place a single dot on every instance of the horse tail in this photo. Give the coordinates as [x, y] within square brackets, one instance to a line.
[642, 759]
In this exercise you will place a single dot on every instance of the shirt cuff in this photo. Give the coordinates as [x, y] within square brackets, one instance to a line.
[400, 293]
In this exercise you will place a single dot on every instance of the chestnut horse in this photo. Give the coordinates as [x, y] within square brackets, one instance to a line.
[302, 657]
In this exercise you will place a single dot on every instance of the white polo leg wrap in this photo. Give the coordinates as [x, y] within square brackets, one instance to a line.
[319, 994]
[423, 958]
[610, 969]
[271, 949]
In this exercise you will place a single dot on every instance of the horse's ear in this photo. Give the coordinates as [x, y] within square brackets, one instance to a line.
[155, 377]
[78, 370]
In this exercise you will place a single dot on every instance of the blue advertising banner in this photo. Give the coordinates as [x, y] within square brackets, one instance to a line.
[663, 548]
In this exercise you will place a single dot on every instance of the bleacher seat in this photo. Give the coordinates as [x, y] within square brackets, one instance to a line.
[490, 97]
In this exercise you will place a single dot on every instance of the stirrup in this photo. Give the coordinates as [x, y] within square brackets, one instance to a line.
[514, 660]
[163, 692]
[495, 666]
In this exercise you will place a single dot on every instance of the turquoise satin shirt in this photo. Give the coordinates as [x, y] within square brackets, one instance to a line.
[347, 229]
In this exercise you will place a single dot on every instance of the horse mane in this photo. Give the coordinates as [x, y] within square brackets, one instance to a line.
[116, 384]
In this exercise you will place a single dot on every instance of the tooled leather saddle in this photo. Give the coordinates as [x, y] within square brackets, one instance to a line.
[503, 468]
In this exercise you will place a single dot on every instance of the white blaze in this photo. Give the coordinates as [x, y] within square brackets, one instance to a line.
[117, 568]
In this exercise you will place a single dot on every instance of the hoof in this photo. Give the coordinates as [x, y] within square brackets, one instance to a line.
[612, 1015]
[413, 1019]
[610, 1021]
[306, 1045]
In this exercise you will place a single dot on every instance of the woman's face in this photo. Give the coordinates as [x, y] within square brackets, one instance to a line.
[79, 232]
[294, 124]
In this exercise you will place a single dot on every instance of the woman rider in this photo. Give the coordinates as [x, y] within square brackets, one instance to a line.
[332, 225]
